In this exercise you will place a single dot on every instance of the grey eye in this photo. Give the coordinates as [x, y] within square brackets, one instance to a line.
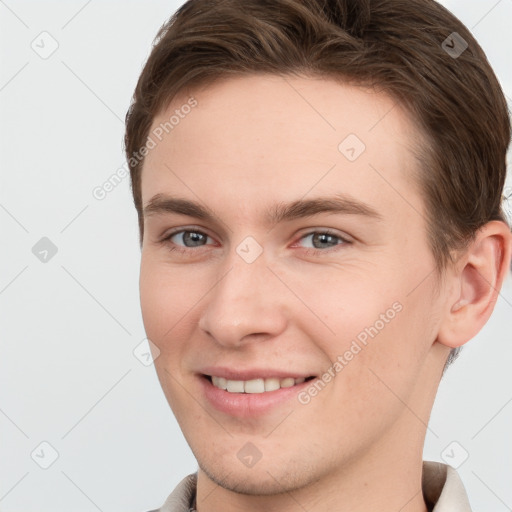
[190, 238]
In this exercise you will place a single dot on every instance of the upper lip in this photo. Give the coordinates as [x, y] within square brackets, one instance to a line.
[251, 373]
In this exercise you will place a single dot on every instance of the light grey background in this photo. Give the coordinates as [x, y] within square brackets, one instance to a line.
[68, 374]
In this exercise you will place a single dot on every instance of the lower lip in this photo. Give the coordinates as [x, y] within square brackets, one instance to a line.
[247, 405]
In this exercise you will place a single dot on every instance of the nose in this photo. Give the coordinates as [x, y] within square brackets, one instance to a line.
[245, 305]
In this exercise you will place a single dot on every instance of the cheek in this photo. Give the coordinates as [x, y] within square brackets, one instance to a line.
[167, 306]
[154, 296]
[350, 306]
[397, 340]
[167, 300]
[375, 325]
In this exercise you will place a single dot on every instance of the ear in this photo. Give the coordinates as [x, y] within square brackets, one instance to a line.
[476, 280]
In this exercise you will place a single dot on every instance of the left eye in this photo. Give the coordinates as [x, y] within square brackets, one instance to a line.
[323, 240]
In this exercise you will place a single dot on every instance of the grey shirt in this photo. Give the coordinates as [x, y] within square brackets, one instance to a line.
[443, 491]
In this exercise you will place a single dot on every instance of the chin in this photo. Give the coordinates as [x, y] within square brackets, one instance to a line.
[266, 480]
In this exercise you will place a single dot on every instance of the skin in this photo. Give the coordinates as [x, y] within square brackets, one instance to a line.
[249, 144]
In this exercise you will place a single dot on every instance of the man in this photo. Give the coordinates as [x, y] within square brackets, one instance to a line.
[319, 188]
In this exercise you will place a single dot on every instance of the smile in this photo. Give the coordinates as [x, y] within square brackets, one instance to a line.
[260, 385]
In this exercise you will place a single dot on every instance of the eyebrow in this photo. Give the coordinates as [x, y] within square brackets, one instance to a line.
[340, 203]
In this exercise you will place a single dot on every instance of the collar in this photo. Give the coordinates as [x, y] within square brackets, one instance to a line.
[443, 491]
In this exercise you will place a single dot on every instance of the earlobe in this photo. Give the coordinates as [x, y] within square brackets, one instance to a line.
[477, 279]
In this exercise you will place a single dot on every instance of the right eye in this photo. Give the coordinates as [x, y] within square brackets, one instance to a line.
[188, 238]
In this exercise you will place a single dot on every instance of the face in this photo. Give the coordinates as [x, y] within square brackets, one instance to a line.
[285, 257]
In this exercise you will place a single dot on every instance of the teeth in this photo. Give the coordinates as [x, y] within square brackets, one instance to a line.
[221, 383]
[255, 385]
[288, 382]
[235, 386]
[272, 384]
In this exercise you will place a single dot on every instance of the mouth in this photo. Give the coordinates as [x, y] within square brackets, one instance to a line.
[251, 393]
[257, 385]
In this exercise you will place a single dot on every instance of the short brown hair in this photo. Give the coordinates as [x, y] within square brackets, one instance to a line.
[401, 47]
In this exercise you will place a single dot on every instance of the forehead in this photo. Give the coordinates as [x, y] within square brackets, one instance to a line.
[264, 137]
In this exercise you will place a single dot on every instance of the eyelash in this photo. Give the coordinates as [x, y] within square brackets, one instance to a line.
[308, 251]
